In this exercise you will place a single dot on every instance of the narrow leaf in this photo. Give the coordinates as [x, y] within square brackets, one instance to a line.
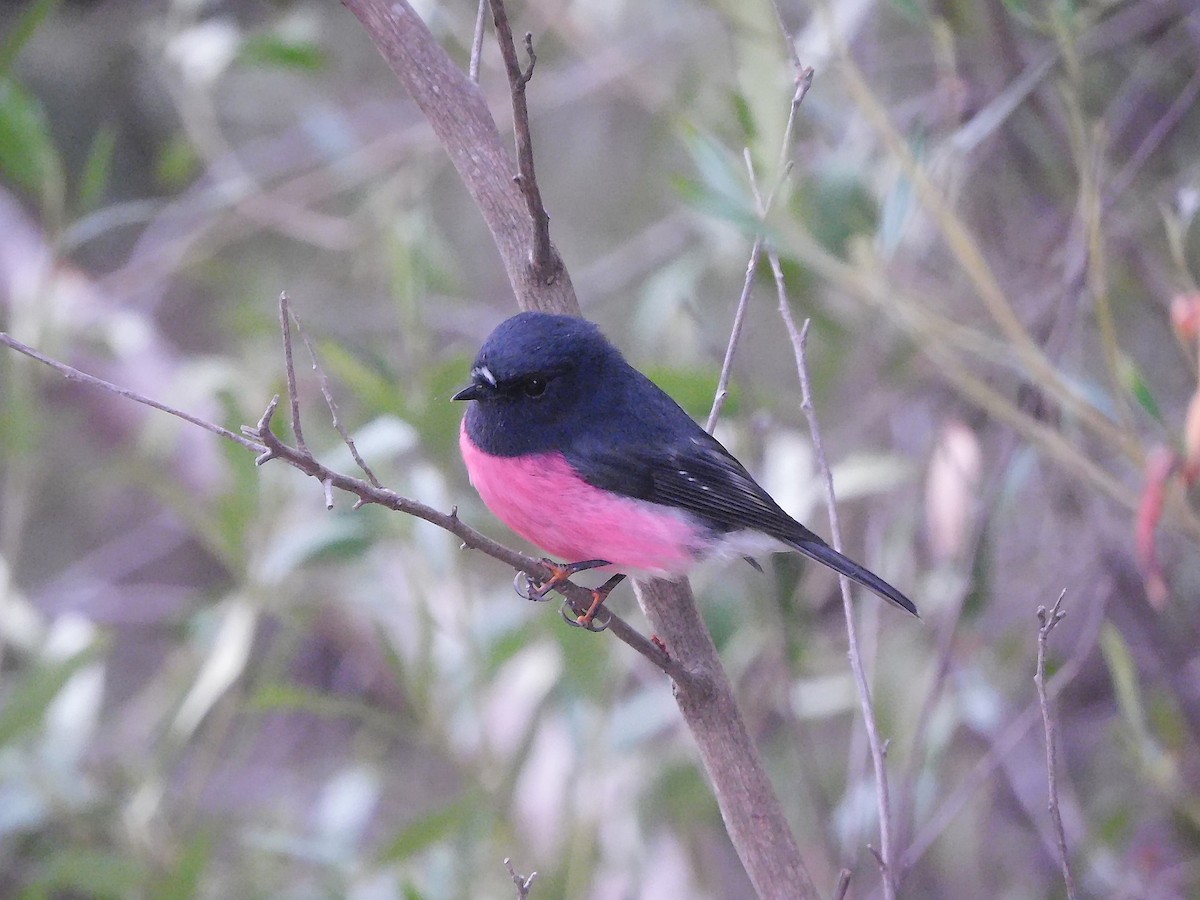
[25, 28]
[27, 154]
[97, 168]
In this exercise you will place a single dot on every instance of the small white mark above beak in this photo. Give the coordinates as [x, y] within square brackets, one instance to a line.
[485, 373]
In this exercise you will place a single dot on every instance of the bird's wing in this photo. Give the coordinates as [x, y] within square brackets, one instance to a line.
[696, 474]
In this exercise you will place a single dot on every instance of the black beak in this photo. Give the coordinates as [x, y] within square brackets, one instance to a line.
[473, 391]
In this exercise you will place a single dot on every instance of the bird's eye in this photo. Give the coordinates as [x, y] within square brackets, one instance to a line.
[534, 387]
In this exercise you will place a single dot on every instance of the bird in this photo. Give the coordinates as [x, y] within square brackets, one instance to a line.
[586, 458]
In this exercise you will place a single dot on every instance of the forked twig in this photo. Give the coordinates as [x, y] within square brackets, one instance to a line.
[545, 262]
[327, 393]
[522, 882]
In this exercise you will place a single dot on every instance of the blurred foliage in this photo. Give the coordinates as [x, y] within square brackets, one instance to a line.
[211, 686]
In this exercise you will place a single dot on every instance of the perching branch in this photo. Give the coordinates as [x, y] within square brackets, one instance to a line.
[1046, 623]
[262, 441]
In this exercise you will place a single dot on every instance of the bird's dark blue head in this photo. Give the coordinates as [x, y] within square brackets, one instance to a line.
[537, 381]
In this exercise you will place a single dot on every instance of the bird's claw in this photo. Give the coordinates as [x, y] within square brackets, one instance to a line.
[596, 618]
[529, 588]
[599, 621]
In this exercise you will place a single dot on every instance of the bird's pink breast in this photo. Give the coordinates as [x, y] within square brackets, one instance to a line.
[541, 498]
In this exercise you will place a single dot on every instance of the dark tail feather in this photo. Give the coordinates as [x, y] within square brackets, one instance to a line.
[826, 555]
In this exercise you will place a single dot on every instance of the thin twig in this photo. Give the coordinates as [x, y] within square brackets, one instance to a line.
[545, 263]
[523, 884]
[735, 334]
[285, 327]
[1015, 731]
[804, 78]
[843, 884]
[73, 374]
[477, 42]
[327, 393]
[799, 340]
[1046, 623]
[803, 82]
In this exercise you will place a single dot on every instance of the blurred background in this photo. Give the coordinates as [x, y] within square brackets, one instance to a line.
[210, 686]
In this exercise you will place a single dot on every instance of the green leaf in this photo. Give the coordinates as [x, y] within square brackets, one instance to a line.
[89, 873]
[176, 163]
[272, 50]
[183, 881]
[910, 10]
[97, 168]
[722, 190]
[330, 538]
[693, 389]
[276, 697]
[1123, 672]
[745, 116]
[1135, 383]
[431, 828]
[25, 28]
[25, 704]
[27, 153]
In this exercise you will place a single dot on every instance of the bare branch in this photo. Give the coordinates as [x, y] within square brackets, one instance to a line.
[458, 113]
[843, 884]
[545, 262]
[753, 815]
[366, 492]
[749, 807]
[1046, 623]
[73, 374]
[735, 333]
[799, 338]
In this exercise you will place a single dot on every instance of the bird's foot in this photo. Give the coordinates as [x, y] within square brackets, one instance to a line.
[595, 618]
[589, 619]
[531, 588]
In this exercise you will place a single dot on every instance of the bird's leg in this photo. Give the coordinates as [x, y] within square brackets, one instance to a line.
[588, 619]
[560, 573]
